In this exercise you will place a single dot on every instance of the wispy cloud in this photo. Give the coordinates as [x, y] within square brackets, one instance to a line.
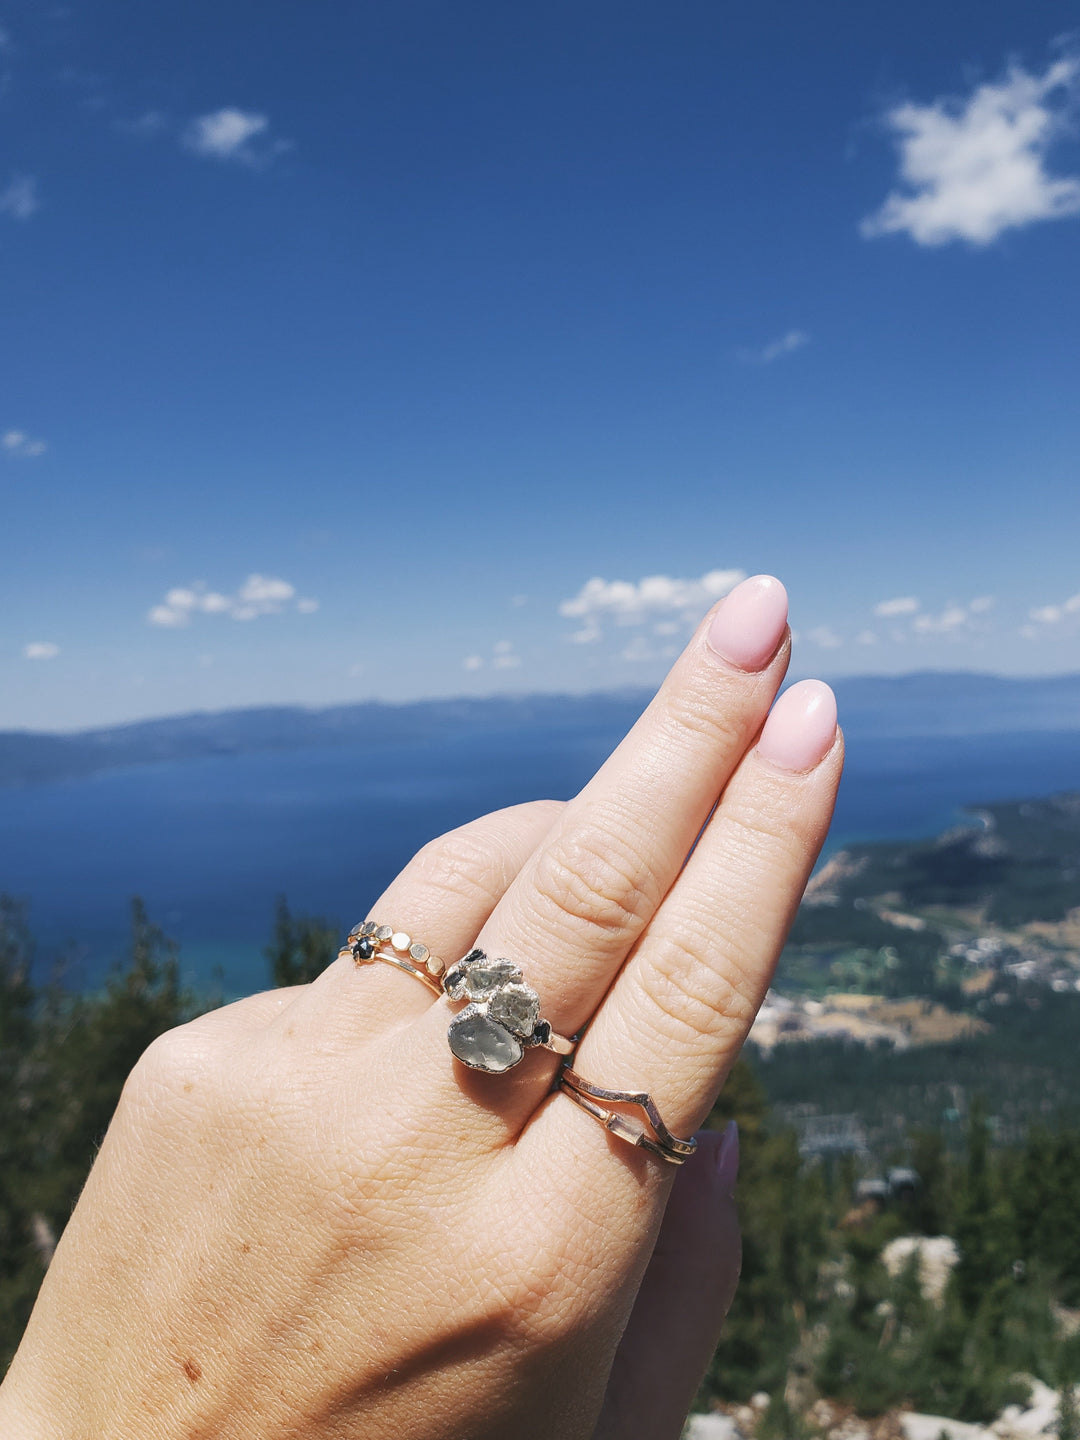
[20, 446]
[19, 198]
[259, 595]
[41, 650]
[1052, 617]
[973, 168]
[902, 605]
[785, 344]
[825, 637]
[503, 657]
[655, 598]
[240, 136]
[145, 126]
[951, 618]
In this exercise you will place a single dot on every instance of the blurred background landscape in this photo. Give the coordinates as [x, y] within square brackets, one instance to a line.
[386, 394]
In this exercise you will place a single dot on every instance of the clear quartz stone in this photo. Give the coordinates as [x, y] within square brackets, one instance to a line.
[517, 1007]
[482, 1043]
[485, 977]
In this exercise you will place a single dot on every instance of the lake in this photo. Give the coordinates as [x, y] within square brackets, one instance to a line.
[210, 842]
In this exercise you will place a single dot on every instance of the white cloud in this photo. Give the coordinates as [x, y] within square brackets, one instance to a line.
[41, 650]
[786, 344]
[19, 199]
[902, 605]
[20, 446]
[503, 657]
[259, 595]
[981, 604]
[953, 617]
[866, 637]
[1046, 614]
[1054, 614]
[518, 600]
[231, 134]
[824, 636]
[588, 635]
[974, 168]
[654, 597]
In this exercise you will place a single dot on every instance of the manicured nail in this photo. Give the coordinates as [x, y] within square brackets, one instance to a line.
[801, 727]
[747, 628]
[727, 1159]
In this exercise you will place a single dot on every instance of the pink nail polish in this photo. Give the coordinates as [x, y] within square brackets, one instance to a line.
[727, 1159]
[801, 727]
[747, 628]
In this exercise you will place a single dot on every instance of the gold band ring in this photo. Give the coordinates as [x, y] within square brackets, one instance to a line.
[370, 941]
[659, 1142]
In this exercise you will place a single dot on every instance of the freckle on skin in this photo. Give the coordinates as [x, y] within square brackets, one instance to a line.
[192, 1371]
[245, 1248]
[188, 1087]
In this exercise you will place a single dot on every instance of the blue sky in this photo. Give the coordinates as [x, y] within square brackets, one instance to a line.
[359, 350]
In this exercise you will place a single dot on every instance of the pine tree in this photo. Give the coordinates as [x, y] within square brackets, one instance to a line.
[301, 947]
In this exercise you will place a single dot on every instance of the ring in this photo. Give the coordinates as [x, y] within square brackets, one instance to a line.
[660, 1142]
[502, 1018]
[370, 941]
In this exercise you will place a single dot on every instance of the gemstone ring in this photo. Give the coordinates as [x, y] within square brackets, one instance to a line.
[502, 1017]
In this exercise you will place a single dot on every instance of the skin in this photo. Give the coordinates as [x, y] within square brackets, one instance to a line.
[308, 1220]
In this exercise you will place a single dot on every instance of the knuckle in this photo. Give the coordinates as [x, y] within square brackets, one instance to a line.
[178, 1064]
[459, 864]
[594, 879]
[694, 709]
[708, 998]
[767, 835]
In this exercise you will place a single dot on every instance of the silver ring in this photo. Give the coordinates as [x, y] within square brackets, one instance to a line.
[657, 1139]
[502, 1018]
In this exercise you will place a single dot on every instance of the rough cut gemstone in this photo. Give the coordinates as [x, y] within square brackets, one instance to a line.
[364, 949]
[356, 929]
[484, 977]
[517, 1007]
[482, 1043]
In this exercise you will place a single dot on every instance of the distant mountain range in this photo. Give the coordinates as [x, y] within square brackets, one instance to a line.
[930, 703]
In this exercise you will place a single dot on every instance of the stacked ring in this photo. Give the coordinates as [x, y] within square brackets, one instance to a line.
[370, 941]
[501, 1020]
[659, 1141]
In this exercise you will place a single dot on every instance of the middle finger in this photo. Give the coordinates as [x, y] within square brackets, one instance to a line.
[580, 902]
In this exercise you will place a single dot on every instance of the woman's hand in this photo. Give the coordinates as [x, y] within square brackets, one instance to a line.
[309, 1220]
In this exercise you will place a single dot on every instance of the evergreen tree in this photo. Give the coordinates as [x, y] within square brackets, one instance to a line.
[301, 947]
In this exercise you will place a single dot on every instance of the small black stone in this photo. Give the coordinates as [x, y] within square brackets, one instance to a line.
[364, 949]
[542, 1034]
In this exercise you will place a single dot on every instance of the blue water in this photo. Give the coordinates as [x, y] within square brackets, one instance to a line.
[210, 843]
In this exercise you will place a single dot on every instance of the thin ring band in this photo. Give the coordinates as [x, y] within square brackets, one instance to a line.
[661, 1142]
[370, 941]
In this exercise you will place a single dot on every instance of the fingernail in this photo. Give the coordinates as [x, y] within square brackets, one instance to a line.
[727, 1159]
[747, 628]
[801, 727]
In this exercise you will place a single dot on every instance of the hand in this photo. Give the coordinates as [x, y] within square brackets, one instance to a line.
[308, 1220]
